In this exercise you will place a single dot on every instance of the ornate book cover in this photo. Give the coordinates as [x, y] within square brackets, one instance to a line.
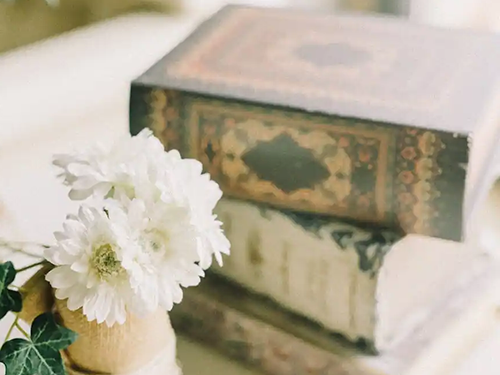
[346, 278]
[257, 333]
[358, 117]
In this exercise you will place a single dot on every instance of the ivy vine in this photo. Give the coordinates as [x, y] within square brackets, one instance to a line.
[38, 353]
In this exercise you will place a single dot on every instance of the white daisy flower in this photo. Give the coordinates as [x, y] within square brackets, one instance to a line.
[184, 181]
[153, 233]
[131, 162]
[138, 167]
[89, 272]
[123, 258]
[167, 256]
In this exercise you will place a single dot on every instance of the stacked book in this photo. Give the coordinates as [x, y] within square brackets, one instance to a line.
[354, 153]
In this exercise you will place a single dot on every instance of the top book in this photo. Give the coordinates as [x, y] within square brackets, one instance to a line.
[368, 118]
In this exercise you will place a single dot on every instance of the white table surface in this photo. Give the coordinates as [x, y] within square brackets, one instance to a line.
[197, 359]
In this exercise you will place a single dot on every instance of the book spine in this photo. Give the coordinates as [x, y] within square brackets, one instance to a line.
[319, 268]
[255, 342]
[402, 177]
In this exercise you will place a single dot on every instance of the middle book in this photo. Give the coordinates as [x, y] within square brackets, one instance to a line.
[370, 285]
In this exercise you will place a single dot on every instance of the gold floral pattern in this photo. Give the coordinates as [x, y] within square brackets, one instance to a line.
[417, 190]
[164, 116]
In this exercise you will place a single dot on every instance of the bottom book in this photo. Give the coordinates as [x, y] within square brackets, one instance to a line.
[255, 331]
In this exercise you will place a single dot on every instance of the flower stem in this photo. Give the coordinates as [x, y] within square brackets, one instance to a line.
[21, 329]
[20, 247]
[11, 328]
[31, 266]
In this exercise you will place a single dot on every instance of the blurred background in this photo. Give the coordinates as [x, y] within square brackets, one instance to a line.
[65, 72]
[66, 67]
[26, 21]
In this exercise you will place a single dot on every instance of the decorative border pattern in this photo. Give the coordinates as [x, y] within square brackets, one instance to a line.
[221, 135]
[249, 48]
[164, 117]
[405, 178]
[418, 168]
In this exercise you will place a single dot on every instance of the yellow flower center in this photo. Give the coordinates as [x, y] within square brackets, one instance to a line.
[157, 241]
[105, 262]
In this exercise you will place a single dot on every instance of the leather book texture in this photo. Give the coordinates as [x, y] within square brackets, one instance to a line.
[334, 115]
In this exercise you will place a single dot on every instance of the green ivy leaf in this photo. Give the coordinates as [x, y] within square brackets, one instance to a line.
[10, 300]
[40, 355]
